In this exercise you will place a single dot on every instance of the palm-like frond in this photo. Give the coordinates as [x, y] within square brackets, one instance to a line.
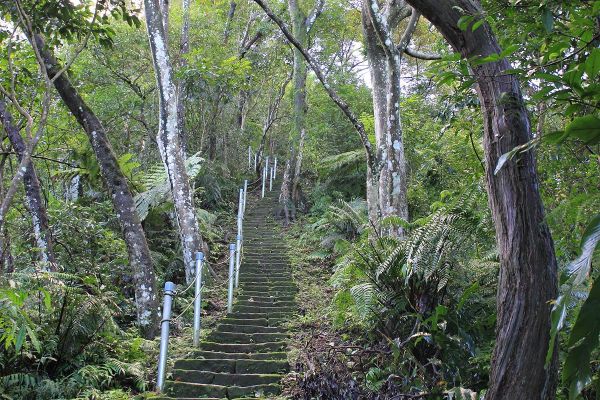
[157, 186]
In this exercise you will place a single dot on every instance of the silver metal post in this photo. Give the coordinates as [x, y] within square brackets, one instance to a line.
[264, 178]
[198, 298]
[164, 334]
[238, 254]
[245, 194]
[255, 156]
[249, 157]
[271, 180]
[275, 169]
[231, 277]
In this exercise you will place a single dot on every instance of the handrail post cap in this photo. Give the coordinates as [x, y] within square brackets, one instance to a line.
[199, 256]
[169, 287]
[232, 246]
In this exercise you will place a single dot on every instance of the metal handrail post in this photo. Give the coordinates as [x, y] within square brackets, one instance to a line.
[231, 265]
[198, 298]
[275, 169]
[245, 195]
[238, 259]
[164, 334]
[264, 178]
[249, 157]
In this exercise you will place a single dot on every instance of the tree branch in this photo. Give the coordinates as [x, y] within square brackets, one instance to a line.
[421, 55]
[314, 14]
[358, 126]
[409, 31]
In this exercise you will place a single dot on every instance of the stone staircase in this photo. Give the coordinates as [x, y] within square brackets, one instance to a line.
[245, 355]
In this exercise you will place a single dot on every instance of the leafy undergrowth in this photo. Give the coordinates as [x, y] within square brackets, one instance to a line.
[327, 362]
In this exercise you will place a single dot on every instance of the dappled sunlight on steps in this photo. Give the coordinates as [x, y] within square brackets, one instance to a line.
[245, 356]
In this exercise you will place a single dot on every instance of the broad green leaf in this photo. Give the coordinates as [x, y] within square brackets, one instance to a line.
[577, 373]
[547, 20]
[592, 64]
[580, 267]
[586, 128]
[464, 21]
[20, 338]
[477, 25]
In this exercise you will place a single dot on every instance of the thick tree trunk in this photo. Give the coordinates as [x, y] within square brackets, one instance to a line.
[284, 196]
[299, 74]
[384, 63]
[298, 169]
[168, 139]
[33, 194]
[139, 255]
[528, 273]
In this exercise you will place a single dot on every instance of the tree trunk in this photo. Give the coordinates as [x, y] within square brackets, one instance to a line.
[384, 64]
[298, 169]
[284, 196]
[33, 194]
[184, 49]
[168, 140]
[146, 298]
[299, 74]
[528, 272]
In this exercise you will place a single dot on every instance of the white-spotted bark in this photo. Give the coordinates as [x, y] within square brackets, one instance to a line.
[168, 139]
[33, 194]
[146, 297]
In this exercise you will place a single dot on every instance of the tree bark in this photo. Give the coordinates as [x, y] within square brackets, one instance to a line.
[33, 194]
[299, 74]
[184, 49]
[284, 196]
[384, 62]
[169, 140]
[146, 298]
[528, 272]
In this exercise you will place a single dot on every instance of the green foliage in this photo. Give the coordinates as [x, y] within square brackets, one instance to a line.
[72, 345]
[583, 337]
[157, 188]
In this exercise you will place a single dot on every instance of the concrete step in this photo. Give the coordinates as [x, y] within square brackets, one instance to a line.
[266, 310]
[248, 328]
[240, 337]
[220, 355]
[252, 302]
[243, 296]
[232, 366]
[224, 379]
[244, 348]
[199, 390]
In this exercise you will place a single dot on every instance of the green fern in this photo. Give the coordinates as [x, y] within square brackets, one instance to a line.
[157, 186]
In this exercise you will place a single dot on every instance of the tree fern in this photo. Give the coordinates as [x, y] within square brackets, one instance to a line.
[157, 186]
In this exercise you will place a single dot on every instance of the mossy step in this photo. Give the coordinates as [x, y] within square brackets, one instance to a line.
[233, 366]
[270, 316]
[252, 302]
[240, 337]
[259, 309]
[248, 328]
[266, 278]
[220, 355]
[275, 275]
[242, 321]
[224, 379]
[263, 321]
[191, 390]
[275, 292]
[243, 296]
[244, 347]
